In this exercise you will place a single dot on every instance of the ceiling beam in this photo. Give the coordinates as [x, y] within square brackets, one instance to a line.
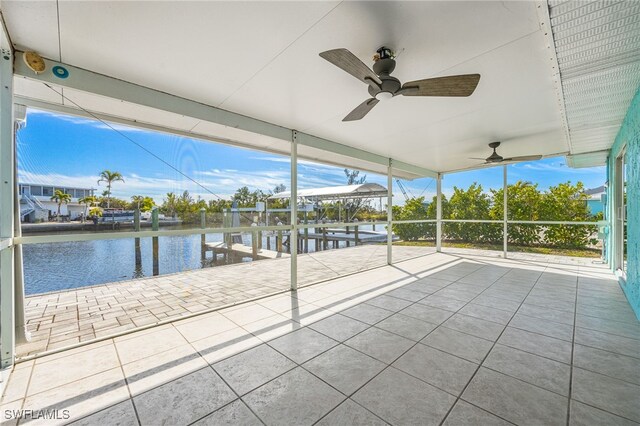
[544, 20]
[110, 87]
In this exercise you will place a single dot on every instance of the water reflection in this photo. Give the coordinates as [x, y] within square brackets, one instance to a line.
[60, 266]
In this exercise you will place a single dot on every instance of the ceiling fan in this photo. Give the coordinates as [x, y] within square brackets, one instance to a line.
[383, 86]
[496, 158]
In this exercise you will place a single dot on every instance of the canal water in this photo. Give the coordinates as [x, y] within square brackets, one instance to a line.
[61, 266]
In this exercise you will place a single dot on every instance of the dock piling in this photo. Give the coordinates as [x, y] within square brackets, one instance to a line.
[136, 220]
[306, 232]
[279, 242]
[254, 242]
[155, 245]
[136, 246]
[203, 239]
[324, 239]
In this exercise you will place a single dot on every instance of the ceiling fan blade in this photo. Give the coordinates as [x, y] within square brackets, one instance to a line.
[524, 158]
[347, 61]
[361, 110]
[455, 85]
[476, 158]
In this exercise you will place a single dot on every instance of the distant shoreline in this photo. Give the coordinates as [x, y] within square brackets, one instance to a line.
[36, 228]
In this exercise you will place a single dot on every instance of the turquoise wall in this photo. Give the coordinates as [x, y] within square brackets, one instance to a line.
[594, 206]
[629, 136]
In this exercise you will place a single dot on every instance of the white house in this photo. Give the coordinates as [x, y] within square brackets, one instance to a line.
[36, 204]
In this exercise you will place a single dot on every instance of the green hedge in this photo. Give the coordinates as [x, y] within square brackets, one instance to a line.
[563, 202]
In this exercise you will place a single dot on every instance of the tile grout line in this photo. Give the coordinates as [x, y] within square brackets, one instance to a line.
[490, 350]
[607, 411]
[573, 345]
[607, 351]
[412, 346]
[209, 365]
[92, 375]
[334, 346]
[26, 391]
[126, 382]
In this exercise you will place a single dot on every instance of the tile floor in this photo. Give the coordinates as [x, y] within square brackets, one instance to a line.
[61, 319]
[441, 339]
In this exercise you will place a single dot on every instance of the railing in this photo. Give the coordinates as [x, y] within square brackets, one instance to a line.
[37, 202]
[432, 234]
[40, 239]
[30, 206]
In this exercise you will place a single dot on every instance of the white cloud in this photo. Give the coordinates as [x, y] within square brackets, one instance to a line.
[85, 121]
[221, 183]
[555, 168]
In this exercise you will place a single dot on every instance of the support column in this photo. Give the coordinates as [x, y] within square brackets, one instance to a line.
[293, 240]
[22, 335]
[439, 213]
[7, 194]
[505, 234]
[389, 213]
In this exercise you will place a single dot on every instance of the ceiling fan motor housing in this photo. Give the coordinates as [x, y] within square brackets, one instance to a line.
[495, 157]
[384, 67]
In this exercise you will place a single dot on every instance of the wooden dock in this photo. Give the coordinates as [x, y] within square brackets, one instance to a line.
[244, 251]
[330, 238]
[356, 237]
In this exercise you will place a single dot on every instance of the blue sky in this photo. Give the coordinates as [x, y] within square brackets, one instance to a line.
[70, 151]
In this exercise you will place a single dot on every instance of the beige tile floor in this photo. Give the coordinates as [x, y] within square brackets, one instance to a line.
[441, 339]
[65, 318]
[61, 319]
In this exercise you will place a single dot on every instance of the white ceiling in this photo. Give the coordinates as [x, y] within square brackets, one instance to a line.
[261, 59]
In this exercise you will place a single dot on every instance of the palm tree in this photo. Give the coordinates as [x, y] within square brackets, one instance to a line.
[137, 199]
[60, 197]
[109, 177]
[95, 211]
[170, 203]
[87, 201]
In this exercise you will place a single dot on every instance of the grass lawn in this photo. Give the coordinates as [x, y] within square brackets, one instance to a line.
[585, 252]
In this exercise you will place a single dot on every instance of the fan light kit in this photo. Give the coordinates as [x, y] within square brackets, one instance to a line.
[383, 86]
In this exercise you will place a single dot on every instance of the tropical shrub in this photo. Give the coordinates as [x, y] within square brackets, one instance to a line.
[413, 209]
[566, 202]
[563, 202]
[472, 203]
[523, 203]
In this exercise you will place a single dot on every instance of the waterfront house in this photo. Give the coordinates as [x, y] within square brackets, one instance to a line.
[36, 204]
[597, 199]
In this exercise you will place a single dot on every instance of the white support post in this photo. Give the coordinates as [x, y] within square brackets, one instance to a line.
[439, 213]
[389, 213]
[7, 194]
[293, 239]
[505, 234]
